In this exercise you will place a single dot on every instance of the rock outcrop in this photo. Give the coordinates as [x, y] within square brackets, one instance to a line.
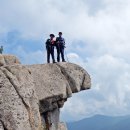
[31, 96]
[8, 60]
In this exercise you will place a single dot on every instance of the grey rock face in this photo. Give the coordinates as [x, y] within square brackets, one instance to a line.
[54, 83]
[19, 108]
[31, 96]
[62, 126]
[8, 60]
[1, 126]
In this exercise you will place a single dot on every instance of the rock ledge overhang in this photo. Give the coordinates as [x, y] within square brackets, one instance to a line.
[24, 89]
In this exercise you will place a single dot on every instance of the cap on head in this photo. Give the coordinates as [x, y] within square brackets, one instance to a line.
[60, 33]
[52, 35]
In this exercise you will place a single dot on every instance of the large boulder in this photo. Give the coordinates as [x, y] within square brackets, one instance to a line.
[31, 96]
[54, 83]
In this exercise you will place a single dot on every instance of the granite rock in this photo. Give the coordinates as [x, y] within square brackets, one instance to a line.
[31, 95]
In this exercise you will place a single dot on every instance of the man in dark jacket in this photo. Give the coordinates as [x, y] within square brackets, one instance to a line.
[50, 43]
[1, 49]
[60, 45]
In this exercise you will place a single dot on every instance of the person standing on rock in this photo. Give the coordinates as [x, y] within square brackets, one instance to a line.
[50, 43]
[60, 45]
[1, 49]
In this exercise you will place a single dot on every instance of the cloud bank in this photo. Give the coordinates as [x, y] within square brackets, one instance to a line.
[97, 38]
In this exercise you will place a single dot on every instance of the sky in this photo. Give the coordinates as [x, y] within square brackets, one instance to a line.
[97, 34]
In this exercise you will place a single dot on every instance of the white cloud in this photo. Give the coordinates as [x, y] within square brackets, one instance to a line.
[37, 57]
[110, 90]
[103, 45]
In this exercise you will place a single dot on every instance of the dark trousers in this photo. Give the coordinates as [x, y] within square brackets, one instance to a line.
[50, 51]
[60, 51]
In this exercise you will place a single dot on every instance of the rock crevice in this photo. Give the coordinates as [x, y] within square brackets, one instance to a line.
[2, 127]
[69, 79]
[8, 75]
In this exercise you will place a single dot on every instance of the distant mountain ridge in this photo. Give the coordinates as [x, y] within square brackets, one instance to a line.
[100, 122]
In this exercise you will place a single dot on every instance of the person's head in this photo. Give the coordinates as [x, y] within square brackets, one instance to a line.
[60, 34]
[52, 36]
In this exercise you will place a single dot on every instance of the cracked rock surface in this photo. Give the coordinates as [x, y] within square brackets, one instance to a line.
[19, 108]
[54, 83]
[8, 60]
[31, 96]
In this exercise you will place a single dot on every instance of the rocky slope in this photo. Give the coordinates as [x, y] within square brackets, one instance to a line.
[31, 96]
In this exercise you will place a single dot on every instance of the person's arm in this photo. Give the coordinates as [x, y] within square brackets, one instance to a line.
[57, 40]
[64, 42]
[47, 43]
